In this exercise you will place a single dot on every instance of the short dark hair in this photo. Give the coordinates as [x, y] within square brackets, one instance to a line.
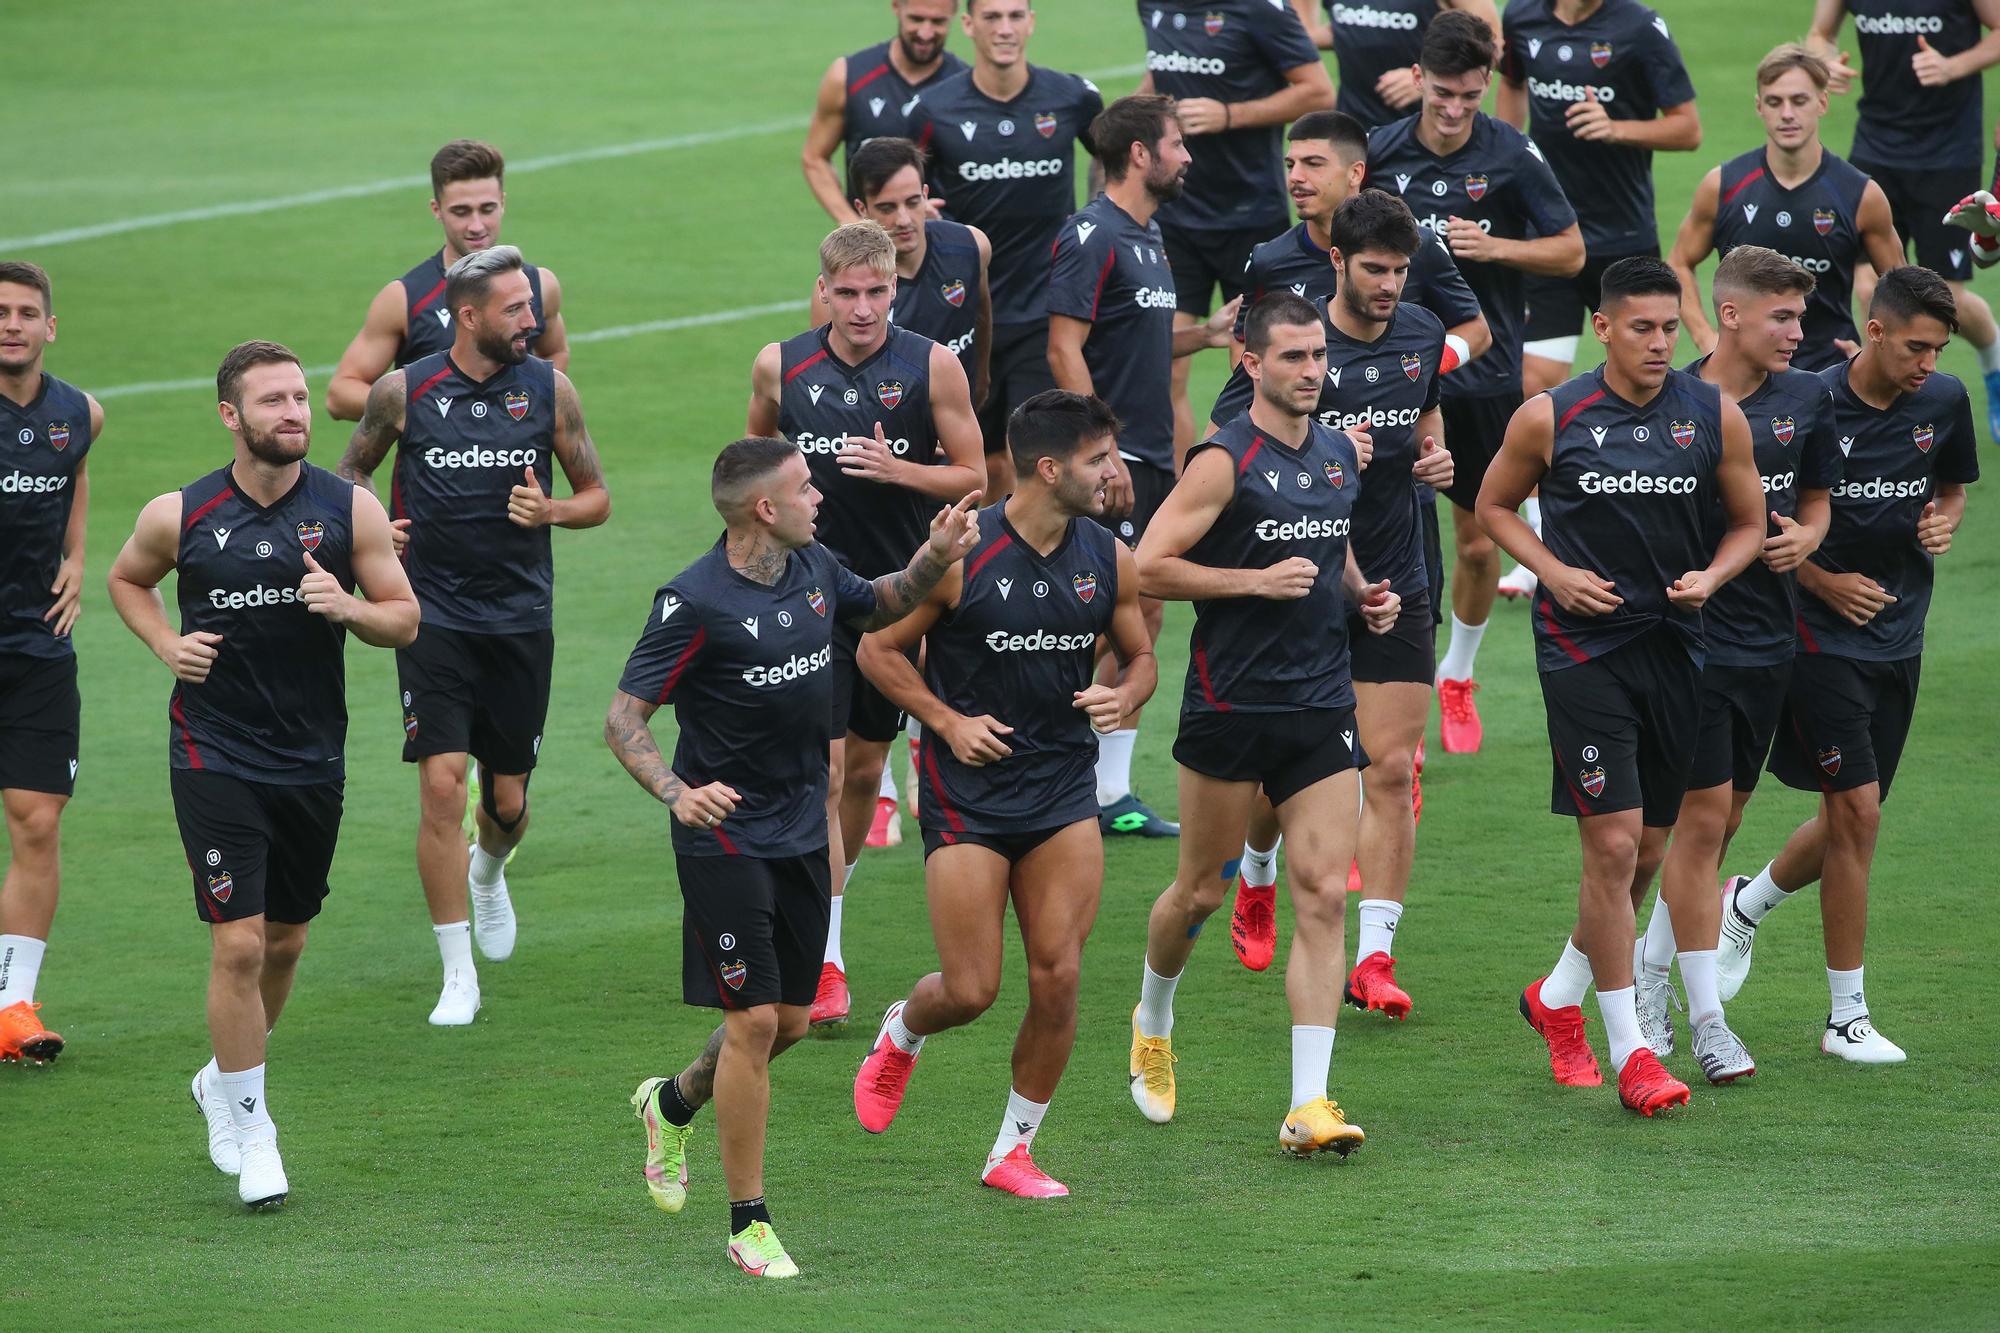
[1348, 135]
[1280, 308]
[875, 163]
[1637, 275]
[1903, 293]
[1457, 43]
[465, 160]
[1139, 118]
[1374, 220]
[1055, 423]
[28, 275]
[740, 466]
[241, 359]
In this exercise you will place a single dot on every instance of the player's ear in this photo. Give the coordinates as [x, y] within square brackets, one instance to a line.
[231, 421]
[1600, 324]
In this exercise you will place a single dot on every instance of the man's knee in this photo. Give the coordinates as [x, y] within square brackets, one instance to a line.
[1389, 774]
[504, 798]
[33, 824]
[238, 948]
[751, 1031]
[1055, 981]
[441, 788]
[1854, 817]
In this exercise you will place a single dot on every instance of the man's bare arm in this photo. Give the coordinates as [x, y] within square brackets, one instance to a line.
[628, 733]
[589, 501]
[381, 426]
[369, 356]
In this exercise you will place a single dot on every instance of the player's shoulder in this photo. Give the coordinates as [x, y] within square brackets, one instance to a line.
[1520, 13]
[1643, 22]
[1269, 254]
[1092, 227]
[1695, 388]
[1391, 136]
[1803, 387]
[948, 237]
[1076, 87]
[798, 347]
[1496, 135]
[942, 90]
[865, 61]
[1941, 388]
[1420, 322]
[911, 350]
[424, 275]
[325, 484]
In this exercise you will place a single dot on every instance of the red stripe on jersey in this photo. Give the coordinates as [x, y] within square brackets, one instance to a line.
[428, 297]
[1102, 274]
[396, 500]
[924, 138]
[203, 511]
[1806, 749]
[1201, 670]
[187, 737]
[867, 78]
[1576, 654]
[805, 365]
[687, 656]
[727, 846]
[1742, 185]
[929, 748]
[425, 387]
[1806, 639]
[1006, 540]
[1256, 443]
[1576, 407]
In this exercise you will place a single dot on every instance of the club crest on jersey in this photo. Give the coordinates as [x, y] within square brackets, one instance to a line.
[59, 435]
[1085, 585]
[1475, 188]
[1823, 220]
[517, 403]
[1781, 429]
[890, 392]
[733, 973]
[1829, 760]
[1413, 365]
[953, 292]
[1923, 436]
[221, 886]
[1683, 432]
[1336, 477]
[1600, 54]
[1211, 24]
[310, 534]
[817, 601]
[1593, 782]
[1045, 124]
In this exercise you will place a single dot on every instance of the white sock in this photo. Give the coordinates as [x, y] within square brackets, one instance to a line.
[1378, 927]
[487, 868]
[245, 1091]
[1658, 943]
[1457, 664]
[1312, 1056]
[1849, 999]
[1698, 975]
[1989, 357]
[455, 947]
[1756, 899]
[886, 789]
[1114, 765]
[1568, 979]
[908, 1042]
[1531, 511]
[1620, 1011]
[1260, 869]
[833, 954]
[20, 965]
[1017, 1127]
[1156, 1004]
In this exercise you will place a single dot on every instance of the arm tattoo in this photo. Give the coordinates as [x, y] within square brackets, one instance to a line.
[697, 1081]
[381, 426]
[896, 595]
[631, 739]
[580, 455]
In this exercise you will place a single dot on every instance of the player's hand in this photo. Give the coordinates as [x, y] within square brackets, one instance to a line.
[1103, 706]
[323, 595]
[976, 740]
[1364, 447]
[1840, 75]
[1933, 70]
[1433, 467]
[68, 590]
[1118, 494]
[1589, 121]
[1691, 591]
[1580, 592]
[955, 530]
[1288, 580]
[1856, 598]
[1847, 347]
[1201, 115]
[869, 458]
[933, 208]
[529, 506]
[1789, 548]
[1399, 89]
[191, 655]
[705, 807]
[1934, 530]
[1978, 213]
[1468, 241]
[1220, 327]
[1380, 607]
[399, 535]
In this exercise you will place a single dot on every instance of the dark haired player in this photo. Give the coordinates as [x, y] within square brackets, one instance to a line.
[1255, 534]
[266, 552]
[1906, 429]
[1009, 808]
[1633, 460]
[740, 643]
[869, 94]
[478, 431]
[1484, 187]
[46, 428]
[1375, 44]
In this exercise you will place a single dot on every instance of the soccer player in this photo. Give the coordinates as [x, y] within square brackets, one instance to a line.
[1484, 187]
[1008, 706]
[1906, 429]
[1002, 140]
[267, 552]
[46, 428]
[1375, 44]
[1383, 359]
[478, 430]
[1113, 334]
[410, 318]
[1761, 299]
[868, 95]
[884, 420]
[1633, 460]
[1255, 534]
[1794, 197]
[740, 643]
[1238, 71]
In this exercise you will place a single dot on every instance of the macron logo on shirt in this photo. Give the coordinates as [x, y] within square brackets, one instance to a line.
[1083, 232]
[668, 606]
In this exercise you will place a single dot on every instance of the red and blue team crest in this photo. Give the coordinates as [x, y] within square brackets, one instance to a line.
[59, 435]
[1413, 365]
[1593, 782]
[1781, 429]
[1600, 54]
[817, 601]
[1923, 435]
[1475, 188]
[1085, 585]
[310, 534]
[517, 403]
[1683, 432]
[890, 392]
[410, 725]
[1334, 475]
[1045, 124]
[1823, 220]
[954, 292]
[221, 886]
[733, 973]
[1211, 24]
[1829, 760]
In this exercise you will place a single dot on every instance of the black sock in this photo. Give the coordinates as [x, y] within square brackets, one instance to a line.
[673, 1107]
[743, 1214]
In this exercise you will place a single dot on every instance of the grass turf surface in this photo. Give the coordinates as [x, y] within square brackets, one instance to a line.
[490, 1176]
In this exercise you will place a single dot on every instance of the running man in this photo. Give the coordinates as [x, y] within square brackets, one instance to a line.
[1375, 45]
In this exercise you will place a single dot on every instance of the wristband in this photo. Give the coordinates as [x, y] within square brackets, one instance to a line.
[1456, 354]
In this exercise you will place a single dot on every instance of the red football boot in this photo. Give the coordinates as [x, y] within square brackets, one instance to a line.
[1645, 1086]
[1253, 924]
[883, 1078]
[1570, 1058]
[1017, 1174]
[887, 829]
[1372, 985]
[830, 1001]
[1459, 723]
